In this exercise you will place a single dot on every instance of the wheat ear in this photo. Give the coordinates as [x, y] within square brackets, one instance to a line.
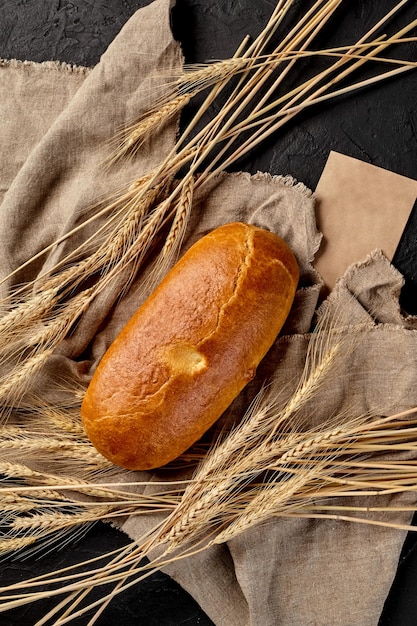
[130, 140]
[25, 313]
[20, 379]
[180, 208]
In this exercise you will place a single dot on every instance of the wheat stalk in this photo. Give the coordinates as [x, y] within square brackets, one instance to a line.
[176, 234]
[127, 208]
[247, 514]
[109, 255]
[48, 480]
[286, 113]
[264, 504]
[16, 544]
[243, 512]
[40, 343]
[178, 211]
[64, 453]
[216, 504]
[20, 379]
[130, 140]
[64, 420]
[51, 522]
[251, 510]
[24, 313]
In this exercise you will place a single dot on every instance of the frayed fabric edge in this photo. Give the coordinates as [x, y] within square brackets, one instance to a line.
[60, 66]
[374, 256]
[284, 180]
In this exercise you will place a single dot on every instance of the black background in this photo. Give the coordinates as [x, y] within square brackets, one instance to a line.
[377, 125]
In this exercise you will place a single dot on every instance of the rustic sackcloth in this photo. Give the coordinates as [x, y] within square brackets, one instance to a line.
[55, 125]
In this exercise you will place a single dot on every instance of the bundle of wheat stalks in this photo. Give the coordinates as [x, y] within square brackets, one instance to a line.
[270, 464]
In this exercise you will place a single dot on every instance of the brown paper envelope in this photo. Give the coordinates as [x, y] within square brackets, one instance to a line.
[360, 207]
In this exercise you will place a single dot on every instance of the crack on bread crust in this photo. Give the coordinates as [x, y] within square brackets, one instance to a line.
[284, 267]
[165, 350]
[240, 275]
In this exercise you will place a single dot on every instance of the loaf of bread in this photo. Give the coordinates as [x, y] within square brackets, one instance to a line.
[191, 347]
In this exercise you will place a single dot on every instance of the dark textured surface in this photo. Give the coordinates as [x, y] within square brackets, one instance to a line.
[405, 259]
[76, 32]
[156, 601]
[377, 125]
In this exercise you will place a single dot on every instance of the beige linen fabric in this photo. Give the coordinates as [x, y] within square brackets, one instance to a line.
[21, 84]
[285, 572]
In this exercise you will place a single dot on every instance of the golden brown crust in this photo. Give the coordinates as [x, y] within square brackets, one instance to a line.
[191, 347]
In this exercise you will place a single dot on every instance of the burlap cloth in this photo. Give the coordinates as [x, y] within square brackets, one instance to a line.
[55, 123]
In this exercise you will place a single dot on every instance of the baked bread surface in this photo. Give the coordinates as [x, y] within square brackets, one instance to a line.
[191, 347]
